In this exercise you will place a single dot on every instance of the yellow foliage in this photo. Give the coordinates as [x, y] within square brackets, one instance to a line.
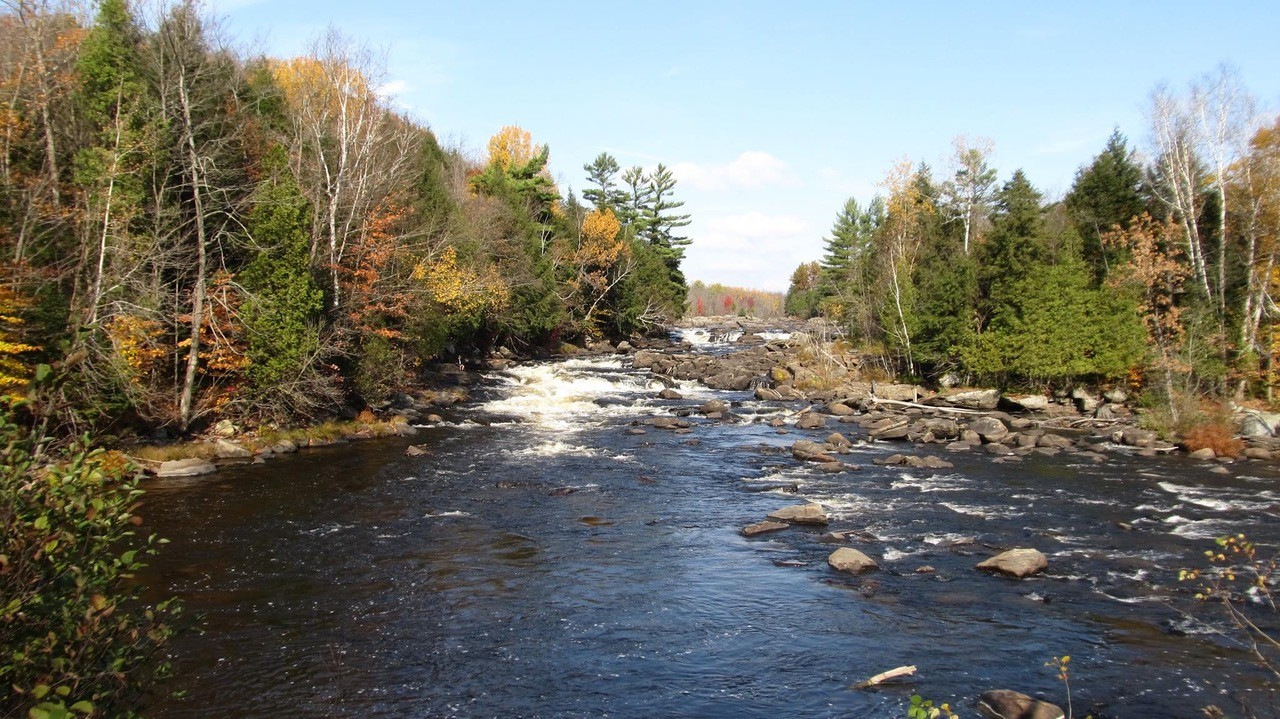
[461, 289]
[138, 342]
[14, 372]
[600, 226]
[322, 87]
[511, 146]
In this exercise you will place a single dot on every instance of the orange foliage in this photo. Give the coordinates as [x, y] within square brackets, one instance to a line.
[461, 289]
[1214, 429]
[372, 298]
[1156, 270]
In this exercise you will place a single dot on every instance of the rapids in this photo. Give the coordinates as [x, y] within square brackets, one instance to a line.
[544, 561]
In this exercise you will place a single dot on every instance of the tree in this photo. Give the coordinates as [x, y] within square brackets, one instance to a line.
[284, 305]
[602, 172]
[966, 197]
[1016, 240]
[1106, 193]
[802, 294]
[839, 248]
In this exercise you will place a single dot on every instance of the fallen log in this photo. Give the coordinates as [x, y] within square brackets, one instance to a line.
[883, 677]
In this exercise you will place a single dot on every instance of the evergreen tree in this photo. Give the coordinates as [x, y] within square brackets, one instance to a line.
[602, 172]
[1105, 194]
[284, 305]
[634, 200]
[1016, 240]
[838, 249]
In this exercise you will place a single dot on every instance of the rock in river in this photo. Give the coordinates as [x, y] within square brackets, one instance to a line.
[851, 561]
[808, 513]
[752, 530]
[1020, 562]
[1005, 704]
[185, 468]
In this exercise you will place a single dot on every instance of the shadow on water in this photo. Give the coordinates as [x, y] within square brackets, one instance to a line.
[561, 566]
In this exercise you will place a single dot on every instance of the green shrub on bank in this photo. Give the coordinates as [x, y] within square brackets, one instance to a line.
[74, 638]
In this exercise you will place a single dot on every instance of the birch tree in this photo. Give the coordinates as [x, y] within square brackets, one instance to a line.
[967, 195]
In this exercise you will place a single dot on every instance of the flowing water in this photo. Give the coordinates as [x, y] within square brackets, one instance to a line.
[544, 561]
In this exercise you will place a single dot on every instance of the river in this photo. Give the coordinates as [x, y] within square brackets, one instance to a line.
[546, 561]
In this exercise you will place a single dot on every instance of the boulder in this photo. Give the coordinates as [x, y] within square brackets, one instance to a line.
[1006, 704]
[225, 428]
[1020, 562]
[752, 530]
[669, 393]
[192, 467]
[284, 446]
[416, 451]
[1029, 402]
[669, 423]
[1134, 437]
[1116, 396]
[1258, 424]
[851, 561]
[1055, 441]
[767, 394]
[809, 451]
[230, 450]
[973, 399]
[624, 346]
[713, 406]
[837, 440]
[898, 392]
[645, 359]
[780, 375]
[807, 513]
[811, 420]
[1257, 453]
[898, 430]
[1203, 453]
[839, 409]
[989, 429]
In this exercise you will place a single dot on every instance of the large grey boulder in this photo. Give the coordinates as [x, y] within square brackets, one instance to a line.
[752, 530]
[1020, 562]
[989, 429]
[1006, 704]
[644, 359]
[1029, 402]
[193, 467]
[225, 449]
[808, 513]
[974, 399]
[851, 561]
[811, 420]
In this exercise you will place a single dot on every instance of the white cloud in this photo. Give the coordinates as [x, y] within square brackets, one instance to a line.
[750, 169]
[752, 249]
[391, 88]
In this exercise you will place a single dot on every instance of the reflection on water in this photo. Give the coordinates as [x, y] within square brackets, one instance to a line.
[553, 564]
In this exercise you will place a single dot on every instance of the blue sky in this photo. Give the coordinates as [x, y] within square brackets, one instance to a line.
[771, 116]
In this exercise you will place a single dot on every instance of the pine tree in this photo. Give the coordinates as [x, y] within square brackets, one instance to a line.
[1016, 240]
[603, 173]
[1105, 194]
[837, 258]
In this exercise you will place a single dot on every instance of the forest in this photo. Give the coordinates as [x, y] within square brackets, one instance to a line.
[1156, 271]
[189, 234]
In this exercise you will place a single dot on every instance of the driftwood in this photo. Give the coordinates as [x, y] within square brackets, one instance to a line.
[917, 405]
[883, 677]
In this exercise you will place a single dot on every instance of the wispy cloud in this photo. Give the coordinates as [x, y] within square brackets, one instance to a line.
[750, 169]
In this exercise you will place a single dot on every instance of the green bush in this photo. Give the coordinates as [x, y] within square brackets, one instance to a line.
[74, 637]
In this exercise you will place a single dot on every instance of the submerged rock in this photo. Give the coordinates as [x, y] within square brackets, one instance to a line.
[1006, 704]
[1020, 562]
[752, 530]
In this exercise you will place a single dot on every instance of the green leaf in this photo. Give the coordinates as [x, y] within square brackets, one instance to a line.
[83, 706]
[40, 691]
[41, 523]
[42, 372]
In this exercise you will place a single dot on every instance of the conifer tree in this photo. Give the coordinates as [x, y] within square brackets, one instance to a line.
[602, 172]
[1105, 194]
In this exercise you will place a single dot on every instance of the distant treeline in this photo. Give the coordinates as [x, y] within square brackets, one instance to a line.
[717, 299]
[1158, 270]
[188, 234]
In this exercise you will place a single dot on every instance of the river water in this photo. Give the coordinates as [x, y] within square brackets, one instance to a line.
[545, 561]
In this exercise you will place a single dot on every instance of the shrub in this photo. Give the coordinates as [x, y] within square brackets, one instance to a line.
[74, 639]
[1214, 428]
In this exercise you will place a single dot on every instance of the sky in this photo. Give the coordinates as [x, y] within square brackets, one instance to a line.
[771, 115]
